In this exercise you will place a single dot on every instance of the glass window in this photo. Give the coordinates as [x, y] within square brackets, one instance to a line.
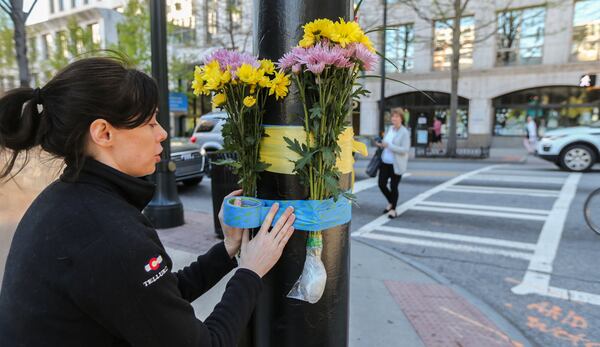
[51, 6]
[399, 48]
[32, 49]
[211, 18]
[442, 43]
[73, 3]
[205, 125]
[61, 44]
[586, 31]
[550, 107]
[61, 5]
[520, 37]
[94, 28]
[48, 42]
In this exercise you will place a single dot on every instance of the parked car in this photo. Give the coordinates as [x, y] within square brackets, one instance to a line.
[572, 149]
[208, 135]
[190, 164]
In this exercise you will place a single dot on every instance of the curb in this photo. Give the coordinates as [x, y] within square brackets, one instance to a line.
[496, 317]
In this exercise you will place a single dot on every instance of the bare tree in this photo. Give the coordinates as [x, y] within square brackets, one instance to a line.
[449, 14]
[232, 35]
[14, 9]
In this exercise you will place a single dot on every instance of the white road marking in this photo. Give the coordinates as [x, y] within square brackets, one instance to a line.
[368, 183]
[518, 179]
[464, 238]
[536, 173]
[449, 246]
[367, 228]
[484, 207]
[477, 213]
[537, 277]
[501, 190]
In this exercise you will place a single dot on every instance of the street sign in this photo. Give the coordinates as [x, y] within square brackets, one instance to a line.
[178, 102]
[587, 80]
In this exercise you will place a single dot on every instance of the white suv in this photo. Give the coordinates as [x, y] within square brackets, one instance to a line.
[572, 149]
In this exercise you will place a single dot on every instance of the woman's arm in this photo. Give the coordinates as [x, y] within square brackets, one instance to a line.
[136, 299]
[201, 275]
[404, 147]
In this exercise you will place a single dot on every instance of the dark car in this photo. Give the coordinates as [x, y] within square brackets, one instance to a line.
[190, 164]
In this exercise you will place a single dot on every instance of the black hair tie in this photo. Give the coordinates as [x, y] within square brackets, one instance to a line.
[37, 96]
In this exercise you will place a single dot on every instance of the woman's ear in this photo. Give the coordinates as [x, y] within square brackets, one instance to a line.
[101, 133]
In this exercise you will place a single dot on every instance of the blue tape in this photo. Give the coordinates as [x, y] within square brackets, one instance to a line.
[311, 215]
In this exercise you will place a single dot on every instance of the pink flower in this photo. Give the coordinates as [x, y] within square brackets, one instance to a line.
[231, 59]
[316, 68]
[297, 68]
[367, 59]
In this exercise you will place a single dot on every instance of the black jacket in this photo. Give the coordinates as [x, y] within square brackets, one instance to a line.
[86, 268]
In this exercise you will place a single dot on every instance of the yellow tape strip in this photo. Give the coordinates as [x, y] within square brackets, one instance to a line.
[274, 151]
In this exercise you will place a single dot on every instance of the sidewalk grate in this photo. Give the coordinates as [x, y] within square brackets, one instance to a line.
[444, 319]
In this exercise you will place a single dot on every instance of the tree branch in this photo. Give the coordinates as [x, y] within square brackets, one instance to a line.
[6, 7]
[30, 8]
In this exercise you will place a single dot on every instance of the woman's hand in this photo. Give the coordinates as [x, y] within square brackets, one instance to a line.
[232, 236]
[262, 252]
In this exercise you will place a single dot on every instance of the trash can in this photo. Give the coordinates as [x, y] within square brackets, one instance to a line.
[222, 182]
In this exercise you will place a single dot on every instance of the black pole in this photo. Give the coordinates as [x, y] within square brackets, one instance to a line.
[382, 81]
[165, 210]
[279, 321]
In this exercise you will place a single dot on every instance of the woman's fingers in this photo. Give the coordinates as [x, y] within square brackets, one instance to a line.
[245, 239]
[282, 232]
[287, 234]
[269, 219]
[234, 193]
[282, 220]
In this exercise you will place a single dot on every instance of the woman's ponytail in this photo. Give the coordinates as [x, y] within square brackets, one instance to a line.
[19, 125]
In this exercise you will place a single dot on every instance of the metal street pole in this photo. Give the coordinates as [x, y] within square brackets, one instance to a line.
[165, 210]
[382, 81]
[279, 321]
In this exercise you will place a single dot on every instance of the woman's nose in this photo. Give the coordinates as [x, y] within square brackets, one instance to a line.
[162, 134]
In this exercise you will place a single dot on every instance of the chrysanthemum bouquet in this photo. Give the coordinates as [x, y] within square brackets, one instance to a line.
[324, 67]
[240, 84]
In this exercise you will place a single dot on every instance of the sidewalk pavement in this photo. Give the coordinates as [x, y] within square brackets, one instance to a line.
[393, 300]
[498, 155]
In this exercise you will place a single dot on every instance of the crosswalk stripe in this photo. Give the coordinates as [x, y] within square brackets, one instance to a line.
[484, 207]
[449, 246]
[457, 237]
[505, 191]
[517, 179]
[478, 213]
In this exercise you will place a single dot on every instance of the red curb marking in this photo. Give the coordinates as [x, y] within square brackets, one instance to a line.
[442, 318]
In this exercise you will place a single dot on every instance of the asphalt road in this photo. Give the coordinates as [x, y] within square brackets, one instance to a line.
[513, 235]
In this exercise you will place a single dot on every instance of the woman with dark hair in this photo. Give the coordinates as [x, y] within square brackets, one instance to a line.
[394, 160]
[85, 267]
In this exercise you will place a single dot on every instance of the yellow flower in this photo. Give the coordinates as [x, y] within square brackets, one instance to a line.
[249, 101]
[226, 76]
[346, 33]
[247, 74]
[279, 85]
[365, 40]
[219, 99]
[263, 82]
[212, 75]
[267, 66]
[198, 84]
[315, 31]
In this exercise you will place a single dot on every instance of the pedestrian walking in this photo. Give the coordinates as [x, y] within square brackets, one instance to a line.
[85, 267]
[436, 130]
[531, 137]
[396, 147]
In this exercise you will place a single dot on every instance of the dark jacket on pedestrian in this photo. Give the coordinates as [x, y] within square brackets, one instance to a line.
[86, 268]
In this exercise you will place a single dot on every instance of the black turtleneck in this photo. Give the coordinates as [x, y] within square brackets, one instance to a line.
[86, 268]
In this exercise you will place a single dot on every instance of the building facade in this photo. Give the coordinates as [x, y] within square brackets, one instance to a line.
[517, 59]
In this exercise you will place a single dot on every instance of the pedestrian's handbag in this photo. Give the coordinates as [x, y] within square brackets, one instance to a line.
[374, 164]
